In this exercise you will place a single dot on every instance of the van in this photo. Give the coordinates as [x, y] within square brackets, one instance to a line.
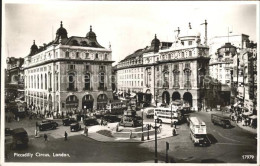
[20, 137]
[218, 119]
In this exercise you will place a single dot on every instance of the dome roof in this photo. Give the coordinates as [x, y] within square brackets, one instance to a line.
[227, 48]
[155, 40]
[91, 35]
[34, 49]
[61, 32]
[34, 46]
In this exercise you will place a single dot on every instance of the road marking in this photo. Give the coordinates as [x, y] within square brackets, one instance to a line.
[228, 138]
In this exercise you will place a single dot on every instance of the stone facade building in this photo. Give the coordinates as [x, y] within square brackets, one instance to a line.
[68, 73]
[14, 79]
[168, 71]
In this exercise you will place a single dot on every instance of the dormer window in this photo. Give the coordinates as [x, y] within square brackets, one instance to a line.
[190, 53]
[77, 54]
[67, 54]
[87, 55]
[190, 43]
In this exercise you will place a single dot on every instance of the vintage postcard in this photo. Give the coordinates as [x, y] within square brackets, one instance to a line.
[98, 82]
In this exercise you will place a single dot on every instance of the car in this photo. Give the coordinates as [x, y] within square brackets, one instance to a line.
[127, 121]
[68, 121]
[90, 121]
[111, 118]
[8, 131]
[20, 138]
[149, 112]
[47, 124]
[75, 126]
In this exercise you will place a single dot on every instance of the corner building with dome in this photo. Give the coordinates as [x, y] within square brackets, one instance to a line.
[68, 73]
[169, 71]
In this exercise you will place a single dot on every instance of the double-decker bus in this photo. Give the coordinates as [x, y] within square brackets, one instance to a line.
[116, 107]
[198, 132]
[167, 115]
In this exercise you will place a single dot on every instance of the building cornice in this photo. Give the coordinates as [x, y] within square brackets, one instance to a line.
[64, 60]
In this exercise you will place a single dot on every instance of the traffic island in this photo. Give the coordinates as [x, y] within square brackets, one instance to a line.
[127, 134]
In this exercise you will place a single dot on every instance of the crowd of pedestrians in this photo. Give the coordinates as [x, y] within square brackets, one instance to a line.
[238, 117]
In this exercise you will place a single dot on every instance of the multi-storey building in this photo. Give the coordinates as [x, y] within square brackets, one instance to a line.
[236, 40]
[168, 71]
[247, 80]
[68, 73]
[181, 70]
[14, 79]
[135, 73]
[219, 69]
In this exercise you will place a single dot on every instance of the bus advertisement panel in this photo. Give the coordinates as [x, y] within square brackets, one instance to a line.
[166, 114]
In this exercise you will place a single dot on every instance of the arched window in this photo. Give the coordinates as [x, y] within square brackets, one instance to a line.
[67, 54]
[57, 82]
[71, 81]
[87, 81]
[46, 81]
[31, 82]
[50, 80]
[34, 81]
[96, 56]
[41, 82]
[101, 80]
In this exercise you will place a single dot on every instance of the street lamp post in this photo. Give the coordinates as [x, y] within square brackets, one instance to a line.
[142, 139]
[155, 142]
[171, 115]
[148, 126]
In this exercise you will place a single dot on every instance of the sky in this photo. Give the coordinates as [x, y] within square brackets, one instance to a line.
[128, 26]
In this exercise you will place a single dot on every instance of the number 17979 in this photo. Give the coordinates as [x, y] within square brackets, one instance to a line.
[246, 157]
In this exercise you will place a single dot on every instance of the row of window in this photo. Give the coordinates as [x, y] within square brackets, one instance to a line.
[130, 83]
[170, 56]
[87, 67]
[134, 70]
[131, 76]
[85, 55]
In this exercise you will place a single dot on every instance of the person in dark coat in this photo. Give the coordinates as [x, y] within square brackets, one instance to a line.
[66, 136]
[175, 123]
[45, 137]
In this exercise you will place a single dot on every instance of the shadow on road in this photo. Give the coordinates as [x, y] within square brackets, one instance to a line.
[211, 161]
[212, 139]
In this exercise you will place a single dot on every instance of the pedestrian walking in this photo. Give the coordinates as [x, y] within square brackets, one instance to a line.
[117, 125]
[130, 136]
[45, 137]
[65, 136]
[174, 132]
[175, 124]
[101, 123]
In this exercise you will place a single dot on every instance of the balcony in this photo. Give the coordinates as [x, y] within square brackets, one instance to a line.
[72, 89]
[88, 88]
[148, 85]
[187, 85]
[176, 86]
[102, 69]
[102, 88]
[166, 85]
